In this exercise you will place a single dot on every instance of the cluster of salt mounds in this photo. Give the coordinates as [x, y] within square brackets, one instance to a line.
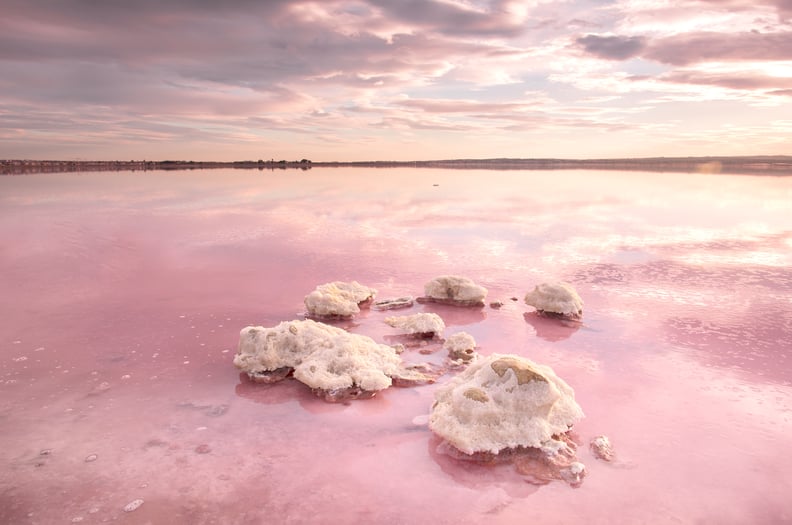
[456, 290]
[502, 406]
[504, 402]
[338, 299]
[333, 362]
[556, 299]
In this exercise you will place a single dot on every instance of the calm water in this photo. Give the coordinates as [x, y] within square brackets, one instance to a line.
[122, 296]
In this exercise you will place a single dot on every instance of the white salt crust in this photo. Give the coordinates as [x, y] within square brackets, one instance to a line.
[557, 298]
[422, 323]
[321, 355]
[455, 289]
[502, 402]
[337, 299]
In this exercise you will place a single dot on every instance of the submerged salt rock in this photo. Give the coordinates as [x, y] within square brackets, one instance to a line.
[133, 505]
[393, 304]
[460, 347]
[320, 355]
[504, 402]
[423, 324]
[338, 299]
[453, 289]
[557, 298]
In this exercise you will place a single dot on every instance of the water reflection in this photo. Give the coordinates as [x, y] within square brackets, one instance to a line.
[551, 329]
[474, 475]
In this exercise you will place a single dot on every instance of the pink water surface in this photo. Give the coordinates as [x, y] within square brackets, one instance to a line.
[122, 296]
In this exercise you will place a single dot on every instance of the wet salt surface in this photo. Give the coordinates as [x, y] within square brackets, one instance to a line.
[124, 293]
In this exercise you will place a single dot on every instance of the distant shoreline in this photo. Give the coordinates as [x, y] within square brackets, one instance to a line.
[767, 165]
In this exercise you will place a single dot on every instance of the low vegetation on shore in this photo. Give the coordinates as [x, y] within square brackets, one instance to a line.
[770, 164]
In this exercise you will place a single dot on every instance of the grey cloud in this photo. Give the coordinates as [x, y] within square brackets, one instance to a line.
[612, 47]
[253, 45]
[690, 48]
[454, 20]
[733, 81]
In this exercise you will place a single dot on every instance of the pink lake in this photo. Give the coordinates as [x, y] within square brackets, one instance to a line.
[122, 296]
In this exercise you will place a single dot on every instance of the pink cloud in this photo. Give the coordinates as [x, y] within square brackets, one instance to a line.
[737, 80]
[612, 47]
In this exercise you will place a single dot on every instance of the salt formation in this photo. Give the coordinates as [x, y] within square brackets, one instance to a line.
[456, 290]
[333, 362]
[558, 298]
[601, 448]
[461, 348]
[422, 325]
[503, 402]
[338, 299]
[133, 505]
[393, 304]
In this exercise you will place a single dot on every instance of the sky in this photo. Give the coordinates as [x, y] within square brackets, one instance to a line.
[393, 79]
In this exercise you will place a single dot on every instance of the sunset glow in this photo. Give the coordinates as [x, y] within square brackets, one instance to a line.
[397, 80]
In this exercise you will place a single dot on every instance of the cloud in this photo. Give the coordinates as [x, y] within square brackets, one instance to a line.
[612, 47]
[293, 72]
[741, 80]
[684, 49]
[461, 106]
[689, 48]
[496, 18]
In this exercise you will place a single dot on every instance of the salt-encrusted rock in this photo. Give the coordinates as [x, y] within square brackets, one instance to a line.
[326, 358]
[422, 325]
[601, 448]
[558, 298]
[504, 402]
[338, 299]
[461, 347]
[456, 290]
[393, 304]
[349, 360]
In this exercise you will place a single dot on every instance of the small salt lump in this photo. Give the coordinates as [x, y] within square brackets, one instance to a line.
[558, 298]
[393, 304]
[338, 299]
[422, 325]
[456, 290]
[503, 402]
[321, 356]
[461, 347]
[602, 448]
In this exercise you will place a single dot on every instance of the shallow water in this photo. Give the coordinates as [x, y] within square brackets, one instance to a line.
[123, 295]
